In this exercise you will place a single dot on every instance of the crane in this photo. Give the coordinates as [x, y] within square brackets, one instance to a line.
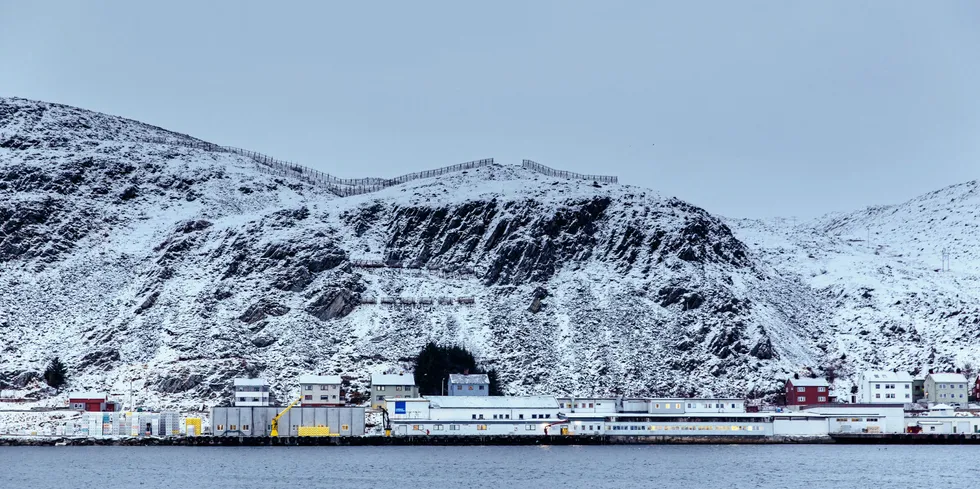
[275, 421]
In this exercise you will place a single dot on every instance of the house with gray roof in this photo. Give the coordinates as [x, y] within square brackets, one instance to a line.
[469, 385]
[947, 388]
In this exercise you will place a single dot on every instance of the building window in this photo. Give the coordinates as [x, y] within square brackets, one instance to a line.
[561, 405]
[821, 399]
[821, 389]
[307, 398]
[520, 416]
[221, 427]
[942, 386]
[408, 387]
[798, 389]
[474, 416]
[437, 427]
[344, 427]
[459, 387]
[494, 416]
[398, 388]
[507, 416]
[324, 398]
[481, 387]
[381, 398]
[481, 427]
[907, 396]
[534, 416]
[471, 387]
[307, 387]
[481, 416]
[454, 427]
[590, 404]
[529, 427]
[245, 427]
[877, 396]
[381, 387]
[232, 427]
[800, 399]
[417, 427]
[549, 416]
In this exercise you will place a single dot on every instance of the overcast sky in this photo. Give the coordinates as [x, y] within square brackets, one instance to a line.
[749, 109]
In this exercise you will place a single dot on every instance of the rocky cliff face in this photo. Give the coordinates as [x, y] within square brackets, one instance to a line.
[181, 269]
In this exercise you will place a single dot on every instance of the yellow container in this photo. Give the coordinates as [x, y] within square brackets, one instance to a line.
[192, 427]
[314, 431]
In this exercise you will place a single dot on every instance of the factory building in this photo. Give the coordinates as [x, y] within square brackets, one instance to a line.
[257, 421]
[473, 415]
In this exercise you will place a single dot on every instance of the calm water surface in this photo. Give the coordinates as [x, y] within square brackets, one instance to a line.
[667, 467]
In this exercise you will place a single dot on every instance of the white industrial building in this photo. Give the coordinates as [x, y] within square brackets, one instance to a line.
[540, 415]
[862, 418]
[943, 419]
[472, 415]
[884, 387]
[251, 393]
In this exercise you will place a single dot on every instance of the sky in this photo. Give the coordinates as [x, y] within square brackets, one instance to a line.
[748, 108]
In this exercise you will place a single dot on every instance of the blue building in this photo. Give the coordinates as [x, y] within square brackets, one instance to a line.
[469, 385]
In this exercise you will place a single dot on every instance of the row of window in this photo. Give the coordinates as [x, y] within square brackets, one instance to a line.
[309, 387]
[684, 428]
[459, 387]
[892, 386]
[248, 399]
[231, 427]
[891, 395]
[576, 406]
[309, 397]
[519, 416]
[951, 396]
[251, 388]
[953, 386]
[398, 388]
[856, 420]
[803, 399]
[803, 389]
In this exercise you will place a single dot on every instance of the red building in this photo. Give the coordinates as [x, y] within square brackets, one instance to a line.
[976, 388]
[91, 401]
[806, 392]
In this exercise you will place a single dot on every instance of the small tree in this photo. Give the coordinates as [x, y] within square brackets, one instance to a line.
[56, 375]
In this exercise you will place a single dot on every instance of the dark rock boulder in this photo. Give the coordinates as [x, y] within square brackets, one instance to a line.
[332, 303]
[261, 310]
[763, 350]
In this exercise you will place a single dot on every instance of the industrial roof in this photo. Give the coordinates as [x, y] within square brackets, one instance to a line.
[251, 382]
[469, 379]
[393, 379]
[493, 402]
[887, 376]
[807, 382]
[319, 379]
[948, 377]
[88, 395]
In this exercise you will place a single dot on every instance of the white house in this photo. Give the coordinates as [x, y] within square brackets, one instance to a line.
[884, 387]
[251, 393]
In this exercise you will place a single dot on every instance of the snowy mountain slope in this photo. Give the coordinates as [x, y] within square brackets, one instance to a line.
[887, 300]
[180, 269]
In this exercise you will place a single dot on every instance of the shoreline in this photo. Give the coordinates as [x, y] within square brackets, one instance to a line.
[550, 440]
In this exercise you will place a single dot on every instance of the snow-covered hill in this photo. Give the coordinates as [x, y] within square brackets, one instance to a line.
[179, 269]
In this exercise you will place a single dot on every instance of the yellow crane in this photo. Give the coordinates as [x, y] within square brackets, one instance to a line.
[275, 421]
